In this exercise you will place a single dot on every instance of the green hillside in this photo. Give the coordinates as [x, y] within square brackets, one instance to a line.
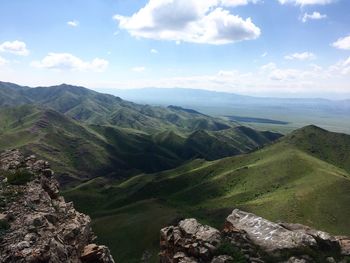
[80, 151]
[287, 181]
[102, 109]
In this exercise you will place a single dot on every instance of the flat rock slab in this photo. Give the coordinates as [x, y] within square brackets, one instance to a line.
[268, 235]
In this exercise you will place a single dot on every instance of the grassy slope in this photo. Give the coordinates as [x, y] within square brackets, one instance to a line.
[79, 151]
[70, 147]
[96, 108]
[284, 181]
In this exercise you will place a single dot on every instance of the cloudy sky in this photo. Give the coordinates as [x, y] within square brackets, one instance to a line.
[259, 47]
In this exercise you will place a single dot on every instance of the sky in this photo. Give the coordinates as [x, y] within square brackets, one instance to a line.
[284, 48]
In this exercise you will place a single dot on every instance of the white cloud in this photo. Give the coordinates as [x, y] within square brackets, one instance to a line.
[193, 21]
[154, 51]
[15, 47]
[233, 3]
[268, 67]
[73, 23]
[342, 43]
[306, 2]
[66, 61]
[314, 16]
[2, 61]
[264, 54]
[138, 69]
[342, 67]
[301, 56]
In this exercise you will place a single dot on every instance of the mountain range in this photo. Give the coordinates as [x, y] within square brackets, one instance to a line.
[87, 134]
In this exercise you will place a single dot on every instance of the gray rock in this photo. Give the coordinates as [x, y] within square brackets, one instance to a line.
[270, 236]
[96, 254]
[44, 228]
[189, 241]
[222, 259]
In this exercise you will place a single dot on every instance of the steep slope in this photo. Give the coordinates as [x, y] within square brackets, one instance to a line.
[212, 145]
[284, 181]
[79, 151]
[96, 108]
[73, 149]
[328, 146]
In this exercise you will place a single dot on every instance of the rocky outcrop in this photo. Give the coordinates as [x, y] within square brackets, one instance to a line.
[250, 238]
[188, 241]
[37, 225]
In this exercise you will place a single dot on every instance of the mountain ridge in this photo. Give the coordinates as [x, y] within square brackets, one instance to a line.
[81, 151]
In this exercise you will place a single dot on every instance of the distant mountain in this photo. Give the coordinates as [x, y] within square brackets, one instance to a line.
[96, 108]
[302, 178]
[200, 98]
[277, 114]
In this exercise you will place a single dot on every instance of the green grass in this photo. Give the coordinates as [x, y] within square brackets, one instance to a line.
[19, 177]
[132, 230]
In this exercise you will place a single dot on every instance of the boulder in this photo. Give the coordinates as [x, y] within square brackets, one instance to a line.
[189, 241]
[93, 253]
[270, 237]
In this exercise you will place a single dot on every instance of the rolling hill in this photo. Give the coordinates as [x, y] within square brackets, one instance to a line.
[80, 151]
[96, 108]
[300, 178]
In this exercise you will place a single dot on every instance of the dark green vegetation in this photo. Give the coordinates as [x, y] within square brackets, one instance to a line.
[227, 248]
[85, 134]
[19, 177]
[4, 226]
[297, 179]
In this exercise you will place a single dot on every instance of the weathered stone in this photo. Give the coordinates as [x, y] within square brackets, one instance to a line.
[297, 260]
[189, 241]
[200, 232]
[43, 227]
[96, 254]
[344, 243]
[269, 236]
[324, 240]
[222, 259]
[23, 244]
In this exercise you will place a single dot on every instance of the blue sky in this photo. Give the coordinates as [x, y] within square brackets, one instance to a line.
[295, 48]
